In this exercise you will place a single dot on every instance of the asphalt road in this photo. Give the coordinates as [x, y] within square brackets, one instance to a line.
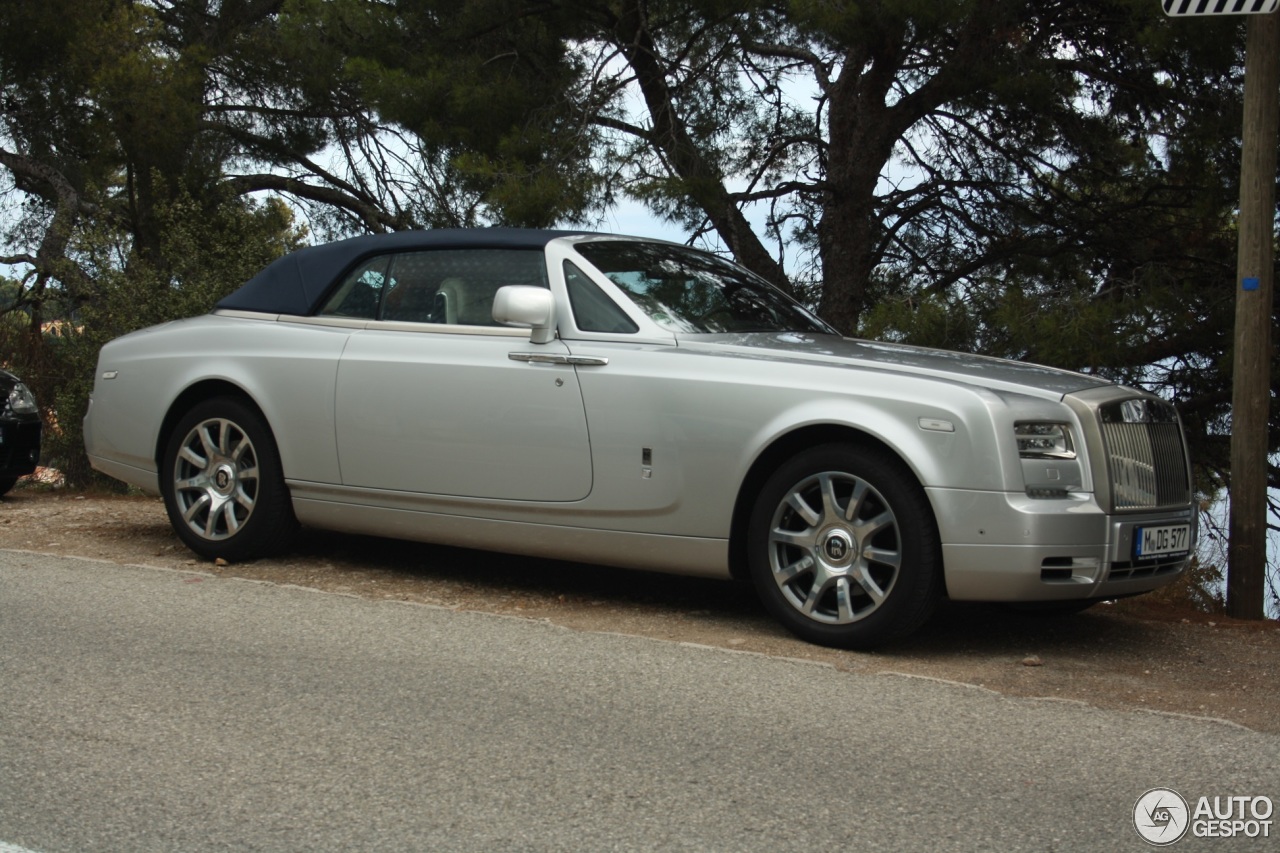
[145, 710]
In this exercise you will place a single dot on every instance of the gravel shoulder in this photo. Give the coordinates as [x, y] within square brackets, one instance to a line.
[1140, 654]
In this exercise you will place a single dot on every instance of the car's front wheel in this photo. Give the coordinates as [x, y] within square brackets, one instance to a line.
[843, 548]
[223, 485]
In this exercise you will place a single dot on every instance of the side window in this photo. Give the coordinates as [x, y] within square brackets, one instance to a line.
[453, 286]
[593, 310]
[359, 293]
[414, 295]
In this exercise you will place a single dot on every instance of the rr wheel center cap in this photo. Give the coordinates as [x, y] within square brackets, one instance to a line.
[837, 548]
[224, 479]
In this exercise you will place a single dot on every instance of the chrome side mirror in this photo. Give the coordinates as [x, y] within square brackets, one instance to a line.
[525, 305]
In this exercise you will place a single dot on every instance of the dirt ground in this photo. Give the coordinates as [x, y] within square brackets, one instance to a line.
[1135, 654]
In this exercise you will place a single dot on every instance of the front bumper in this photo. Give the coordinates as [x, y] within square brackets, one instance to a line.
[1009, 547]
[19, 446]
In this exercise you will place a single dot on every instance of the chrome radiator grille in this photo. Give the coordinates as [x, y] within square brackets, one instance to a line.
[1146, 457]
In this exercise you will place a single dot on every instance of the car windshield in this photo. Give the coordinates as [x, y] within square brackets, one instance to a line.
[687, 291]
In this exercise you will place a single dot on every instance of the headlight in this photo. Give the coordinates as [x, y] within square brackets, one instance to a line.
[1048, 455]
[21, 401]
[1044, 441]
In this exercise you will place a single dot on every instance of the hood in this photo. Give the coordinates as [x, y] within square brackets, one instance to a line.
[985, 371]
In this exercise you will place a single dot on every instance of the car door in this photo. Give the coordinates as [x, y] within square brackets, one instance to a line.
[432, 397]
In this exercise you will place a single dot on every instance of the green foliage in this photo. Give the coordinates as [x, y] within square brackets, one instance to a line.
[203, 257]
[483, 89]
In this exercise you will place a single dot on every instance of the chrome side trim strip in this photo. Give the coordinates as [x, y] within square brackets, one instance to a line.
[396, 326]
[338, 322]
[244, 315]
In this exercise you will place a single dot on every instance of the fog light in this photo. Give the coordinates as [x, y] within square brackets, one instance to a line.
[1034, 492]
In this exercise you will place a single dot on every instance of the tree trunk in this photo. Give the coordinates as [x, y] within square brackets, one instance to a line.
[861, 141]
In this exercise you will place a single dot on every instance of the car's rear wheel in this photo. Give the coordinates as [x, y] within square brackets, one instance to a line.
[7, 483]
[843, 548]
[223, 485]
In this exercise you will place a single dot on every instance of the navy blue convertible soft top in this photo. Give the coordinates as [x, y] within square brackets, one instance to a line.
[295, 283]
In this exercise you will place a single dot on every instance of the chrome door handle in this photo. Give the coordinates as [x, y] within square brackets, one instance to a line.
[538, 357]
[551, 358]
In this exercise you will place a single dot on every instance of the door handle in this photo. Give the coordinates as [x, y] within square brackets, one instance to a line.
[552, 358]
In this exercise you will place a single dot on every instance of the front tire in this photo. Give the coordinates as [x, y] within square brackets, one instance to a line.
[223, 485]
[843, 548]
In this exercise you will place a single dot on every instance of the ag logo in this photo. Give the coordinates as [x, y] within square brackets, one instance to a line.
[1161, 816]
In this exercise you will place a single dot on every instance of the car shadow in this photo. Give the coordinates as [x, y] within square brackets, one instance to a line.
[957, 629]
[965, 629]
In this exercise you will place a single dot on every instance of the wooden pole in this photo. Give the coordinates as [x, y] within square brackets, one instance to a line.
[1251, 392]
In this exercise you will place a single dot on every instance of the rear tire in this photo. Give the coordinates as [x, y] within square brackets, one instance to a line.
[6, 484]
[843, 548]
[223, 485]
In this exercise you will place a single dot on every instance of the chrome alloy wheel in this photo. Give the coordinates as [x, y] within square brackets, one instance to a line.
[834, 548]
[216, 479]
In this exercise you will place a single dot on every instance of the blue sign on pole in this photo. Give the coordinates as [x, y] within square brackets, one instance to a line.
[1178, 8]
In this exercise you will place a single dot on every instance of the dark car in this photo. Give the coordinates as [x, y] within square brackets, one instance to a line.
[19, 431]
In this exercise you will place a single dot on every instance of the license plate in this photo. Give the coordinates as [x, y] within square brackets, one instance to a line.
[1158, 541]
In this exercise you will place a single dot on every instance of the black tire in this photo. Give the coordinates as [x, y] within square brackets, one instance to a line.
[852, 583]
[6, 484]
[223, 485]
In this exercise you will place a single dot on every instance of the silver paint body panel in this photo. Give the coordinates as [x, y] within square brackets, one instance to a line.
[455, 415]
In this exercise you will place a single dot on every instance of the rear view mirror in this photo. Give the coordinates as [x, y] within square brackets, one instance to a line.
[525, 305]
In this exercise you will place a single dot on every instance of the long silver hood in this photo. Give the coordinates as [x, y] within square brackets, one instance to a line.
[995, 373]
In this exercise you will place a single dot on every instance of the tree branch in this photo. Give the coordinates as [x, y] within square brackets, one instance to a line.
[374, 217]
[51, 259]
